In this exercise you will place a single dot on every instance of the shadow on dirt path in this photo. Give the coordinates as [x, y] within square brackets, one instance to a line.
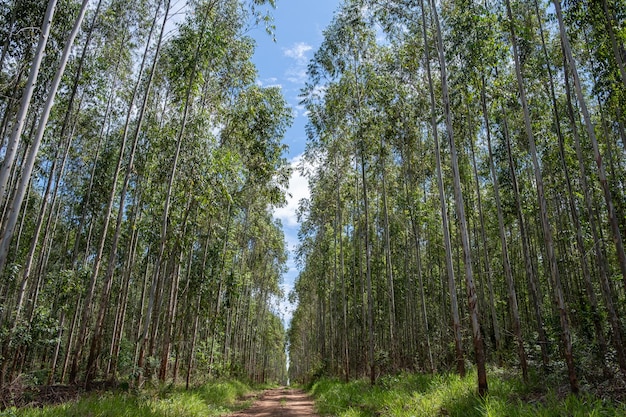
[280, 402]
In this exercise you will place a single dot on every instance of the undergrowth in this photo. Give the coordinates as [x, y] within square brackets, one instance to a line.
[409, 395]
[211, 399]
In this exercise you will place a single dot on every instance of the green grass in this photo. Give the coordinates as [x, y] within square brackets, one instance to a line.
[410, 395]
[211, 399]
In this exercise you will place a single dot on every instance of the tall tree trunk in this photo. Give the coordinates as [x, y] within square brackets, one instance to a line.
[479, 348]
[63, 133]
[173, 301]
[194, 337]
[545, 224]
[487, 260]
[388, 263]
[531, 276]
[97, 262]
[368, 270]
[108, 278]
[572, 205]
[598, 246]
[29, 163]
[420, 278]
[18, 126]
[608, 199]
[344, 298]
[506, 263]
[174, 168]
[454, 305]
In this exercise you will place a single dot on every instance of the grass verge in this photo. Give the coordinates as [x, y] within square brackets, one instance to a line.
[449, 395]
[212, 399]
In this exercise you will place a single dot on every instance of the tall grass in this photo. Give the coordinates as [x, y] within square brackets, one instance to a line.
[211, 399]
[411, 395]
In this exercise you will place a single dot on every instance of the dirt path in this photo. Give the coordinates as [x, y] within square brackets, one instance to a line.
[280, 402]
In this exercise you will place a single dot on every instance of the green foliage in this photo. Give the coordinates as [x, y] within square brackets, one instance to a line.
[187, 153]
[212, 399]
[431, 395]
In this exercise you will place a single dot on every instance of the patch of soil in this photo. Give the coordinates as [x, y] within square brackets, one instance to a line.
[280, 402]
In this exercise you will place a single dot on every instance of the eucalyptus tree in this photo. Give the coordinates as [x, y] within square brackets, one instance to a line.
[460, 208]
[18, 126]
[104, 301]
[27, 168]
[10, 219]
[456, 323]
[222, 113]
[589, 124]
[599, 249]
[188, 71]
[85, 319]
[543, 210]
[345, 57]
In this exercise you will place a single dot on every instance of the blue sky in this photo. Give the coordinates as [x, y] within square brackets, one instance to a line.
[299, 25]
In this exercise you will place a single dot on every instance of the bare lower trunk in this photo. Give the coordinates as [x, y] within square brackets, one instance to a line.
[454, 305]
[18, 126]
[608, 199]
[479, 348]
[506, 263]
[600, 257]
[545, 224]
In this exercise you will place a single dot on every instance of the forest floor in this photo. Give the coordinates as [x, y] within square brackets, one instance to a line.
[280, 402]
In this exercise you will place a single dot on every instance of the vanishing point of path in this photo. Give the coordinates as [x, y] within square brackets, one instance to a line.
[281, 402]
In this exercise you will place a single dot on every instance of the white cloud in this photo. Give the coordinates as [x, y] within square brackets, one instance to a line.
[269, 82]
[298, 189]
[298, 52]
[296, 75]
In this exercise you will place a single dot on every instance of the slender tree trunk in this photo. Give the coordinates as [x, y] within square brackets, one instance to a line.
[487, 261]
[388, 264]
[531, 276]
[174, 168]
[108, 278]
[29, 163]
[506, 263]
[194, 337]
[572, 206]
[173, 302]
[368, 271]
[64, 126]
[344, 298]
[454, 305]
[617, 236]
[420, 280]
[479, 348]
[545, 224]
[18, 127]
[600, 257]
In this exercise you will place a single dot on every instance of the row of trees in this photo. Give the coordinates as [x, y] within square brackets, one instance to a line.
[141, 162]
[473, 151]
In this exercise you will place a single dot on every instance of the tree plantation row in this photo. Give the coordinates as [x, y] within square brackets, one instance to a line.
[140, 166]
[466, 161]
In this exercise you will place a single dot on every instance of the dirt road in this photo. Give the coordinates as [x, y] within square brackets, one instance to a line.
[281, 402]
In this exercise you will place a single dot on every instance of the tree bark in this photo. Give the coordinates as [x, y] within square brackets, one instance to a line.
[108, 278]
[479, 348]
[18, 127]
[545, 224]
[454, 305]
[598, 246]
[608, 199]
[506, 263]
